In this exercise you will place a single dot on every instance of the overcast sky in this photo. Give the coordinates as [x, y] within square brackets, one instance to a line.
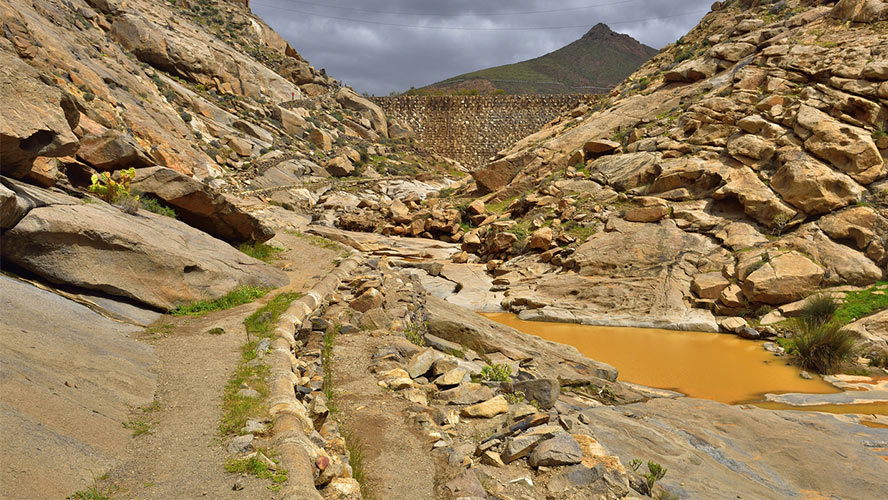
[380, 46]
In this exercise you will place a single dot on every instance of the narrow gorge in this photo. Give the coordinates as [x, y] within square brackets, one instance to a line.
[228, 274]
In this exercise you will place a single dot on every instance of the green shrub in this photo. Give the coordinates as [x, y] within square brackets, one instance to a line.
[822, 347]
[153, 205]
[497, 372]
[655, 473]
[819, 309]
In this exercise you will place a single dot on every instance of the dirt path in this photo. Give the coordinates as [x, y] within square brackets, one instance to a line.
[182, 455]
[397, 457]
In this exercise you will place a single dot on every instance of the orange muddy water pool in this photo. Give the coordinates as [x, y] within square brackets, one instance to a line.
[712, 366]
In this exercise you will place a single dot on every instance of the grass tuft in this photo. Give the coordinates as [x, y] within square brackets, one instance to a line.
[236, 297]
[98, 491]
[256, 467]
[822, 346]
[138, 427]
[327, 360]
[355, 448]
[819, 309]
[236, 409]
[260, 251]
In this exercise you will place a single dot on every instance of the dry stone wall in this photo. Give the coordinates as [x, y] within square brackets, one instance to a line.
[471, 129]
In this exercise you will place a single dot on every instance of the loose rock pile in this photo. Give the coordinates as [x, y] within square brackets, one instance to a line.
[471, 387]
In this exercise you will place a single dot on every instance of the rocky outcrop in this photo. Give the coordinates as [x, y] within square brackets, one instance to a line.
[198, 206]
[149, 258]
[37, 118]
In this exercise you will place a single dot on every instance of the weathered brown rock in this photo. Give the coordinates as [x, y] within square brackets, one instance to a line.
[813, 187]
[600, 146]
[861, 225]
[732, 51]
[113, 151]
[861, 11]
[353, 101]
[846, 147]
[37, 119]
[339, 166]
[146, 257]
[541, 239]
[709, 285]
[198, 206]
[785, 278]
[625, 171]
[321, 139]
[368, 300]
[691, 70]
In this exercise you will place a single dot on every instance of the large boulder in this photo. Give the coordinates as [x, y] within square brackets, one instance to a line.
[758, 201]
[37, 119]
[862, 226]
[861, 11]
[813, 187]
[350, 100]
[872, 330]
[625, 171]
[198, 206]
[100, 371]
[846, 147]
[785, 278]
[149, 258]
[843, 264]
[113, 151]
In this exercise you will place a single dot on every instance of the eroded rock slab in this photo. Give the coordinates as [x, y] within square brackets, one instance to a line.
[68, 378]
[710, 448]
[150, 258]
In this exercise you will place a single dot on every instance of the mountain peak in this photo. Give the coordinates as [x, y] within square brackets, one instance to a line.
[600, 30]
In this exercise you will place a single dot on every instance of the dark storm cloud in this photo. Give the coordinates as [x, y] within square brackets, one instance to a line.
[379, 46]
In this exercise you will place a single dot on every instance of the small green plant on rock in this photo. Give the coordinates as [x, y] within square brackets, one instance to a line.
[497, 372]
[138, 427]
[514, 397]
[111, 190]
[415, 332]
[655, 473]
[98, 491]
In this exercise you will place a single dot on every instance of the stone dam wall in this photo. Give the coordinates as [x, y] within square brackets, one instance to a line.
[471, 129]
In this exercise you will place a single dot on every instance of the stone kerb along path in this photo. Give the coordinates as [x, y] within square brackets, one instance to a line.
[471, 129]
[292, 425]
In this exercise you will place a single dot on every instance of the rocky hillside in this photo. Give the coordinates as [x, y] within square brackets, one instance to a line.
[599, 60]
[739, 171]
[203, 100]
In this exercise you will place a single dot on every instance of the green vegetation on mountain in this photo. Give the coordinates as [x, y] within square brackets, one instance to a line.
[596, 62]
